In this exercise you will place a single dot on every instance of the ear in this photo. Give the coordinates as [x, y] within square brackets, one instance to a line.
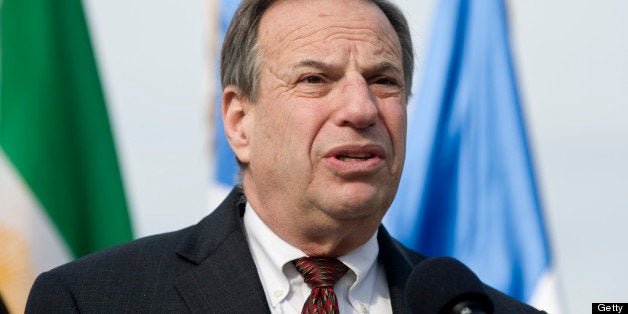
[236, 117]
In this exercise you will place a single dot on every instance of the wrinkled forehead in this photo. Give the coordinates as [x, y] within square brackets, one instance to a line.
[291, 25]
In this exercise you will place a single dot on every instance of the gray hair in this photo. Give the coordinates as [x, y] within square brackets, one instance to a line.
[240, 59]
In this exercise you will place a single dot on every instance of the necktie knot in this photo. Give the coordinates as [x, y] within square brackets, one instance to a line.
[320, 271]
[321, 274]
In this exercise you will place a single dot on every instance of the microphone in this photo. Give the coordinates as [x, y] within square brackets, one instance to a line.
[444, 285]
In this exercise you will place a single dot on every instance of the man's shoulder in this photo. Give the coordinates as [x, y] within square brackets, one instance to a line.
[148, 274]
[133, 273]
[140, 257]
[147, 253]
[401, 260]
[506, 304]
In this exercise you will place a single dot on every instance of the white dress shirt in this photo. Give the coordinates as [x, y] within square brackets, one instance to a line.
[363, 289]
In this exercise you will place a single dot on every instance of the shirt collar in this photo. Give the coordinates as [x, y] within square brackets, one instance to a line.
[273, 253]
[362, 264]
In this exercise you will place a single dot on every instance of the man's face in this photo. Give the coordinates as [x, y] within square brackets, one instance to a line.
[327, 131]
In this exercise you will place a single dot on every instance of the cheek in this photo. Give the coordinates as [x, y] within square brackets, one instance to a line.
[395, 118]
[308, 131]
[403, 129]
[267, 137]
[287, 133]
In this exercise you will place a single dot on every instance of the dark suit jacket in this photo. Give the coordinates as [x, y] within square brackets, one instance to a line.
[206, 268]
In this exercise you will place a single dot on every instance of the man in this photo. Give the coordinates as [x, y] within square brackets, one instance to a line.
[314, 107]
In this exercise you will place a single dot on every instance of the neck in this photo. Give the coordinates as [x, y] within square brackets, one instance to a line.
[330, 242]
[315, 233]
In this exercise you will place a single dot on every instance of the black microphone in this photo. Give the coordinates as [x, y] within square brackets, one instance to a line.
[444, 285]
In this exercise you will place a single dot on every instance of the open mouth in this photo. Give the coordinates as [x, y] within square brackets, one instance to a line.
[355, 157]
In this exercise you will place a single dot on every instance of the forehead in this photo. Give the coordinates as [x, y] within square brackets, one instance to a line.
[289, 27]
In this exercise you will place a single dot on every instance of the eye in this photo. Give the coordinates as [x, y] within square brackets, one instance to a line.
[385, 81]
[313, 79]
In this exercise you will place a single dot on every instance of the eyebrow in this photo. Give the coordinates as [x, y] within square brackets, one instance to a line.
[384, 66]
[310, 63]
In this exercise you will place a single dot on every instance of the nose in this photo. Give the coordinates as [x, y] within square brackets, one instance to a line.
[357, 106]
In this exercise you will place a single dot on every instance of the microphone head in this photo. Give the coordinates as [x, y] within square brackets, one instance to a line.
[444, 285]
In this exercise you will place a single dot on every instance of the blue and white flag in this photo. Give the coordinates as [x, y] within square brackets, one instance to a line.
[468, 188]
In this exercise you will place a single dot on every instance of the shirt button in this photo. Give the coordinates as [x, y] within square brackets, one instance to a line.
[278, 293]
[363, 308]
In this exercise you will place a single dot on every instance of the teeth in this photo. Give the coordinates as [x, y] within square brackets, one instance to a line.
[355, 157]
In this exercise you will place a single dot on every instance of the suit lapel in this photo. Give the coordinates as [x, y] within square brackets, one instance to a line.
[398, 264]
[225, 279]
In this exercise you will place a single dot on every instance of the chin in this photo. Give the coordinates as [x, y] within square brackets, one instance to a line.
[359, 203]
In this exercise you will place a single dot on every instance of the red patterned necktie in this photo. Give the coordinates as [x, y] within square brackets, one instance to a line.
[321, 274]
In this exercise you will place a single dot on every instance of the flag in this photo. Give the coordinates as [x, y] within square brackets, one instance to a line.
[468, 189]
[226, 168]
[59, 176]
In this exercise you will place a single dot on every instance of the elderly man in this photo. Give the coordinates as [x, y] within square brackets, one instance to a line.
[314, 107]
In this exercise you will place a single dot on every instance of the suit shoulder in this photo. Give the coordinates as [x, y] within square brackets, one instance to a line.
[413, 256]
[138, 270]
[152, 247]
[390, 247]
[139, 275]
[506, 304]
[140, 260]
